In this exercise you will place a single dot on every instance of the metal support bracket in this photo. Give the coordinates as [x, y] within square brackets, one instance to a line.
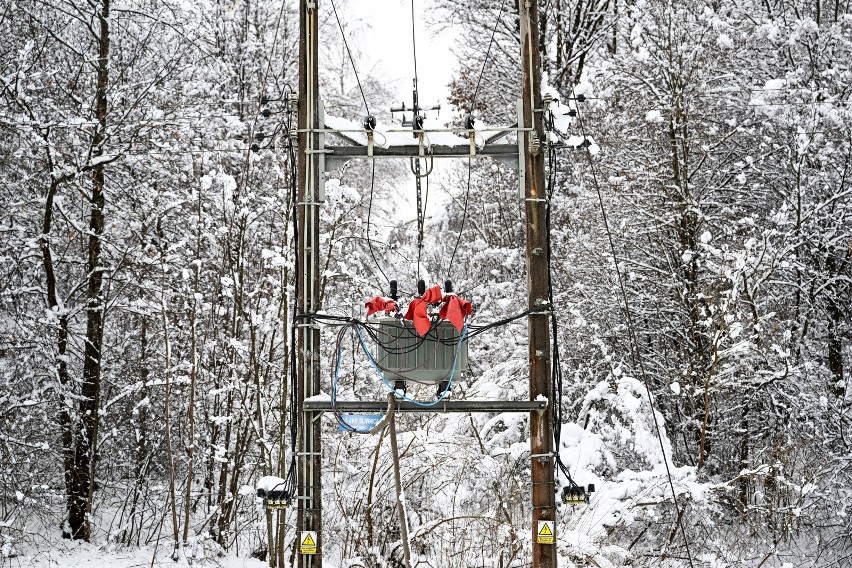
[321, 150]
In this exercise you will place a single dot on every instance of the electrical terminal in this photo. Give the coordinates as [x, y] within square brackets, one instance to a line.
[577, 494]
[274, 500]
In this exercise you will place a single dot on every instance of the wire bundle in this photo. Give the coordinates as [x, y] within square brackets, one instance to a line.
[359, 328]
[556, 364]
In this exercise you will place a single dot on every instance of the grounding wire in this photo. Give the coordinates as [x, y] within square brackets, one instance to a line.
[351, 60]
[421, 213]
[633, 339]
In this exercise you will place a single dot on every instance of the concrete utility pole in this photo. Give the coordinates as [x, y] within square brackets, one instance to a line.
[308, 489]
[541, 434]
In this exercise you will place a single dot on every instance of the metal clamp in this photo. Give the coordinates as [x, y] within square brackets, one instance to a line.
[550, 455]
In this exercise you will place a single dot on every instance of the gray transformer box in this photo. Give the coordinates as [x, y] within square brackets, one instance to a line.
[404, 355]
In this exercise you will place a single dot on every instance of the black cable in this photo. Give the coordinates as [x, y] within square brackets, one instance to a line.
[464, 218]
[469, 163]
[475, 330]
[369, 327]
[414, 50]
[487, 53]
[636, 348]
[556, 376]
[349, 53]
[294, 382]
[369, 216]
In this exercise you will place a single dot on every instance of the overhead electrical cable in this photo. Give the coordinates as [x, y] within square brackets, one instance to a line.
[367, 123]
[635, 346]
[469, 124]
[464, 218]
[487, 54]
[247, 161]
[421, 207]
[414, 49]
[351, 60]
[369, 216]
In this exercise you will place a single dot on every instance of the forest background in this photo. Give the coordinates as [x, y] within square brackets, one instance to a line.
[145, 296]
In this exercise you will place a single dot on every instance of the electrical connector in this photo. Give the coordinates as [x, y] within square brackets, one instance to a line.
[577, 494]
[274, 500]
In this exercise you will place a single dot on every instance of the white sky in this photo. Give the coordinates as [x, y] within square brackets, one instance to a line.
[379, 35]
[382, 30]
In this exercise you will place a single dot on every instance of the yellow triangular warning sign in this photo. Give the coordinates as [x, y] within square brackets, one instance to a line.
[309, 540]
[545, 530]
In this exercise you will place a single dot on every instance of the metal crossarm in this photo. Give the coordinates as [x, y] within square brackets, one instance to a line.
[337, 155]
[443, 406]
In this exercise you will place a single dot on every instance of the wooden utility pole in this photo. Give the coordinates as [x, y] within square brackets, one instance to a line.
[528, 156]
[541, 432]
[308, 489]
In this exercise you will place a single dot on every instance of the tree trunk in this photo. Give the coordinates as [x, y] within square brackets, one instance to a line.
[61, 344]
[85, 461]
[835, 341]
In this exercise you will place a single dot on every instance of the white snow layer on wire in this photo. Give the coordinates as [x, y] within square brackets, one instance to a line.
[321, 397]
[617, 450]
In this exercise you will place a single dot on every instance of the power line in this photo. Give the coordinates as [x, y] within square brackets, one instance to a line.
[464, 218]
[351, 60]
[635, 347]
[369, 216]
[470, 125]
[414, 49]
[487, 54]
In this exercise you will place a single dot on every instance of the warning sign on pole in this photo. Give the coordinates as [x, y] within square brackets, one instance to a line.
[545, 533]
[308, 542]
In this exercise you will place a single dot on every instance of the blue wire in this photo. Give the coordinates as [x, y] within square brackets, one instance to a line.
[402, 396]
[381, 374]
[346, 425]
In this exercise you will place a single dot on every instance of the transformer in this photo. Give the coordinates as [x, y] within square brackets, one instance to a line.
[405, 356]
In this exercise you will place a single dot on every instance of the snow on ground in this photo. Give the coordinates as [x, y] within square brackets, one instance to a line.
[62, 553]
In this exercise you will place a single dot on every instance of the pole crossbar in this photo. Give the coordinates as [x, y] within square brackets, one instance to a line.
[413, 151]
[336, 156]
[445, 406]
